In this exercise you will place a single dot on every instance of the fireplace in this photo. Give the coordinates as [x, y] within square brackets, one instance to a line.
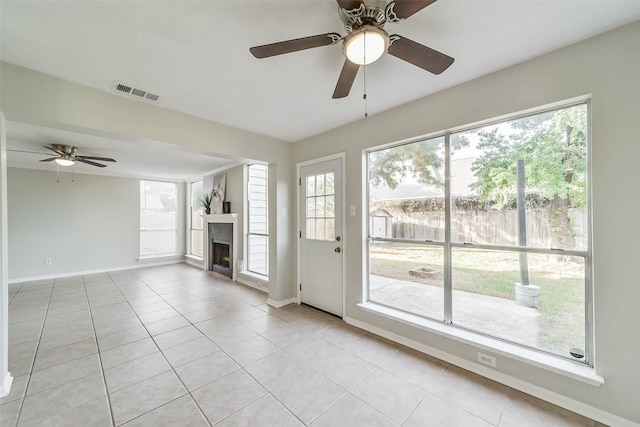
[221, 244]
[221, 248]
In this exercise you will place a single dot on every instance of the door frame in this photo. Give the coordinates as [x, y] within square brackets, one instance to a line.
[343, 157]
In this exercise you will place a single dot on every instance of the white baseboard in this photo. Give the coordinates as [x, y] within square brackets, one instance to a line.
[143, 264]
[5, 385]
[523, 386]
[278, 304]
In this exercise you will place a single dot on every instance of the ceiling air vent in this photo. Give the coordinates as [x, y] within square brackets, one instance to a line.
[134, 92]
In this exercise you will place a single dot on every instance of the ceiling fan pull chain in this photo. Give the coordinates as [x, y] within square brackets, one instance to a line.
[57, 173]
[364, 95]
[364, 77]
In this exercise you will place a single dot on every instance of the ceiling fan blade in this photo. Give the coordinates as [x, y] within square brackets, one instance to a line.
[419, 55]
[349, 4]
[51, 159]
[102, 159]
[403, 9]
[25, 151]
[55, 150]
[288, 46]
[345, 81]
[89, 162]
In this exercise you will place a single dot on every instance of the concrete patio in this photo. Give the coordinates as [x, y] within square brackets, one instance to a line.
[495, 316]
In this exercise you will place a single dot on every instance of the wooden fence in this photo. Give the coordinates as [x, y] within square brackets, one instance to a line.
[481, 226]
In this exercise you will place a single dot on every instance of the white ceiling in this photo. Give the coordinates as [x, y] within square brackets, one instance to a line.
[134, 158]
[195, 54]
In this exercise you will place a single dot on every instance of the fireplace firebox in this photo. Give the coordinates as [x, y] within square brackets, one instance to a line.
[221, 248]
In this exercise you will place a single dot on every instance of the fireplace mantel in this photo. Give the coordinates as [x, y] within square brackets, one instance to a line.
[221, 218]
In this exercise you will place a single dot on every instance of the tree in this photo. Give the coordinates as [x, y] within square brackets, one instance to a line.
[553, 147]
[423, 160]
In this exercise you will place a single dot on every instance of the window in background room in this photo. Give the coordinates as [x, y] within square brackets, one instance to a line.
[257, 247]
[158, 218]
[487, 229]
[197, 221]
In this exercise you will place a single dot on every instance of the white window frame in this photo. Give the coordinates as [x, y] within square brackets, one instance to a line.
[190, 228]
[560, 364]
[174, 229]
[248, 233]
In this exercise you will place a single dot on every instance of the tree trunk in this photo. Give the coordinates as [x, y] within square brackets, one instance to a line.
[561, 231]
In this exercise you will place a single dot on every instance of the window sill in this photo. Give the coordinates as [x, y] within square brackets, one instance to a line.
[256, 276]
[194, 257]
[558, 365]
[254, 280]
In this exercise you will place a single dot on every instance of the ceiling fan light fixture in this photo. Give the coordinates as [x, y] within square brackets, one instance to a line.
[65, 161]
[366, 44]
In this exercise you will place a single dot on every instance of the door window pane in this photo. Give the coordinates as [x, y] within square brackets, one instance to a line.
[320, 200]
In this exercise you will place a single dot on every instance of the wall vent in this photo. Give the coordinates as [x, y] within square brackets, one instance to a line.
[134, 92]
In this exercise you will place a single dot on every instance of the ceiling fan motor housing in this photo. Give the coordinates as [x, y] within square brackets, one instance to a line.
[363, 15]
[69, 150]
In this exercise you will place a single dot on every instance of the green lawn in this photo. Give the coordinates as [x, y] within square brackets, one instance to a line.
[493, 273]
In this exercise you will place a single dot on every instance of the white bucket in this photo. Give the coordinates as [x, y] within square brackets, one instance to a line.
[527, 295]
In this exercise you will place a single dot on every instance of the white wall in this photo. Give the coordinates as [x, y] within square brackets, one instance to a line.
[91, 223]
[608, 67]
[5, 378]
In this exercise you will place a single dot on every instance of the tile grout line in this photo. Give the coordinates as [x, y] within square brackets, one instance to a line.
[16, 293]
[35, 354]
[268, 392]
[95, 335]
[163, 355]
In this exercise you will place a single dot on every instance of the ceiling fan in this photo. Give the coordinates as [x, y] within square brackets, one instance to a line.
[66, 156]
[366, 40]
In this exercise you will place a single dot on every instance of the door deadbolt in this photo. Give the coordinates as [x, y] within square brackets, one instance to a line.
[338, 250]
[338, 238]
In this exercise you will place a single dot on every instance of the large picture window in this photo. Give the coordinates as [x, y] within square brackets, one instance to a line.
[257, 238]
[197, 221]
[487, 229]
[158, 218]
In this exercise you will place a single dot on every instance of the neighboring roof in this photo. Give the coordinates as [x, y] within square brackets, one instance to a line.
[409, 188]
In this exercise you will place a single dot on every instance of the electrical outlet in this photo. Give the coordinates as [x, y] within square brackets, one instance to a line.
[48, 261]
[486, 359]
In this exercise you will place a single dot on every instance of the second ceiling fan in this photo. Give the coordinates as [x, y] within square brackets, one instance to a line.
[366, 40]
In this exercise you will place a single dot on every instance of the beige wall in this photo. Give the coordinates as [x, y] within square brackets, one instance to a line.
[608, 67]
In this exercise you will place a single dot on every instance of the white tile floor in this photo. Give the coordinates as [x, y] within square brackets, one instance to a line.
[178, 346]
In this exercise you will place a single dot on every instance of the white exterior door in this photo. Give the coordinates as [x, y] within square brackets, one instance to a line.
[321, 255]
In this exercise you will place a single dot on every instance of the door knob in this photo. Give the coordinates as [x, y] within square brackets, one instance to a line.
[338, 250]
